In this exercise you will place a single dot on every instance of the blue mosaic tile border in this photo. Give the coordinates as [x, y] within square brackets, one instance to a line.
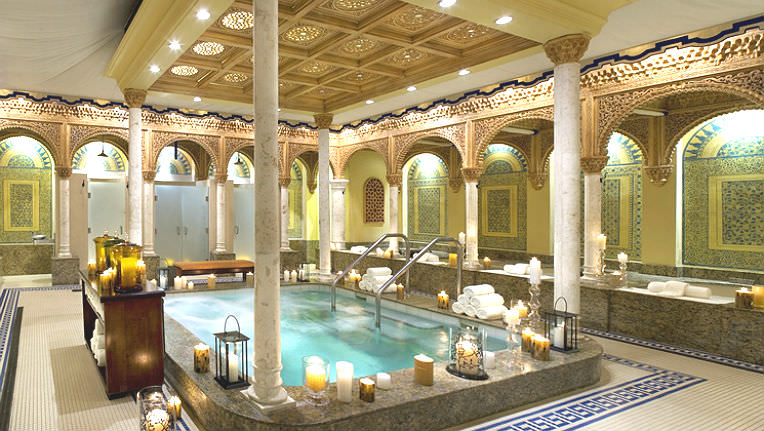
[697, 354]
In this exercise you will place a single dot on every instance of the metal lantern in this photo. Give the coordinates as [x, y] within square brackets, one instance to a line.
[231, 357]
[466, 347]
[152, 408]
[561, 328]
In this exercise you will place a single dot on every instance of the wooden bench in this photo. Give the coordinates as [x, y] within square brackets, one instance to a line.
[214, 267]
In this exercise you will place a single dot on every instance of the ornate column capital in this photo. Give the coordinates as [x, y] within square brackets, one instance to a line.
[455, 183]
[134, 97]
[593, 164]
[284, 181]
[537, 179]
[660, 174]
[148, 176]
[63, 171]
[394, 180]
[221, 178]
[567, 49]
[323, 121]
[472, 175]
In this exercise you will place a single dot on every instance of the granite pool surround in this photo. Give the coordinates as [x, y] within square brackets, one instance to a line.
[450, 401]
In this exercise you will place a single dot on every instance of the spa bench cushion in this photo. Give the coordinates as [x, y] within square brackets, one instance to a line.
[214, 267]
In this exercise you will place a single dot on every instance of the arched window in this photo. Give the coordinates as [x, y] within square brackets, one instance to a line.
[373, 201]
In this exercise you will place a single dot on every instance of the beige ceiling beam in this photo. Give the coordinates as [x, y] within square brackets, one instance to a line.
[226, 66]
[298, 14]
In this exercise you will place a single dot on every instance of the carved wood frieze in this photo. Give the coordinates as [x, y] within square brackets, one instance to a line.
[455, 134]
[343, 153]
[160, 139]
[49, 133]
[81, 134]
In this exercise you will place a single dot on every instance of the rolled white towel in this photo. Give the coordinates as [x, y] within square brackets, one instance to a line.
[381, 270]
[656, 286]
[379, 280]
[491, 313]
[100, 357]
[363, 285]
[510, 269]
[478, 289]
[358, 249]
[457, 308]
[432, 257]
[481, 301]
[671, 293]
[99, 329]
[390, 289]
[379, 252]
[463, 299]
[697, 292]
[100, 342]
[521, 268]
[676, 287]
[470, 311]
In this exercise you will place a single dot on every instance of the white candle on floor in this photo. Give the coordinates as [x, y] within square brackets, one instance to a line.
[233, 367]
[461, 237]
[490, 360]
[344, 381]
[384, 381]
[293, 275]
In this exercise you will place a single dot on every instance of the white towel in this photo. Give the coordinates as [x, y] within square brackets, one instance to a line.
[697, 292]
[457, 308]
[656, 286]
[478, 289]
[99, 329]
[358, 249]
[390, 289]
[463, 299]
[470, 311]
[491, 313]
[510, 269]
[100, 342]
[379, 280]
[521, 268]
[100, 357]
[379, 252]
[429, 257]
[482, 301]
[676, 288]
[671, 293]
[363, 285]
[381, 270]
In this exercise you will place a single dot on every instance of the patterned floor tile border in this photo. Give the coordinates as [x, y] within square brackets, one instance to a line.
[579, 411]
[697, 354]
[9, 298]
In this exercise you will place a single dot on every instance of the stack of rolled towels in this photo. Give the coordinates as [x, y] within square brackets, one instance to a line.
[429, 257]
[480, 301]
[517, 269]
[677, 289]
[375, 278]
[98, 344]
[358, 249]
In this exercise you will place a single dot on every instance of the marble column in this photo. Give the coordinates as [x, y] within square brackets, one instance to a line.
[63, 230]
[267, 389]
[148, 212]
[565, 52]
[394, 182]
[220, 204]
[323, 121]
[471, 177]
[338, 213]
[134, 99]
[284, 185]
[592, 167]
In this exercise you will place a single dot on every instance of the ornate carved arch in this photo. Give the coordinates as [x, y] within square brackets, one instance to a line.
[344, 153]
[80, 135]
[523, 149]
[232, 145]
[455, 134]
[487, 129]
[47, 133]
[296, 150]
[163, 139]
[637, 141]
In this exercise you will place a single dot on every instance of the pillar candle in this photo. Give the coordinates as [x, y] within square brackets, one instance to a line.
[534, 271]
[758, 296]
[443, 300]
[467, 361]
[293, 275]
[177, 283]
[157, 420]
[462, 237]
[250, 277]
[423, 370]
[233, 367]
[301, 275]
[400, 294]
[315, 378]
[286, 275]
[91, 268]
[366, 389]
[490, 360]
[522, 309]
[190, 285]
[557, 334]
[344, 381]
[526, 340]
[141, 270]
[174, 406]
[384, 381]
[184, 282]
[453, 260]
[201, 358]
[211, 281]
[743, 298]
[540, 348]
[163, 281]
[623, 257]
[602, 241]
[486, 262]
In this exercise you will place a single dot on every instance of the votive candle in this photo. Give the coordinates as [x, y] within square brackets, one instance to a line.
[486, 262]
[743, 298]
[540, 348]
[758, 296]
[366, 389]
[211, 281]
[400, 293]
[174, 406]
[522, 309]
[384, 381]
[453, 260]
[423, 370]
[201, 358]
[315, 377]
[527, 340]
[443, 300]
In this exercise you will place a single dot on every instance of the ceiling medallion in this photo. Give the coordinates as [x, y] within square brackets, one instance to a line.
[238, 20]
[360, 76]
[208, 48]
[357, 46]
[415, 18]
[315, 68]
[353, 5]
[303, 34]
[235, 77]
[468, 32]
[184, 70]
[407, 56]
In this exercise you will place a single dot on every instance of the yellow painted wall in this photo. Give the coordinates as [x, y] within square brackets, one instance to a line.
[363, 165]
[540, 237]
[455, 212]
[659, 222]
[311, 213]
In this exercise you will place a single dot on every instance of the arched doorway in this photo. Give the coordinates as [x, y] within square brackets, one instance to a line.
[622, 197]
[241, 173]
[426, 194]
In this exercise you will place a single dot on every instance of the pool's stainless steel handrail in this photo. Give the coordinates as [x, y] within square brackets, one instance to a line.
[364, 254]
[459, 261]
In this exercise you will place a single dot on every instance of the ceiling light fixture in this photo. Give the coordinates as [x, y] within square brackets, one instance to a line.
[506, 19]
[411, 88]
[174, 45]
[197, 99]
[202, 14]
[154, 68]
[446, 3]
[464, 72]
[369, 102]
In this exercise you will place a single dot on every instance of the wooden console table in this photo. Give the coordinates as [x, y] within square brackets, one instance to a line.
[134, 331]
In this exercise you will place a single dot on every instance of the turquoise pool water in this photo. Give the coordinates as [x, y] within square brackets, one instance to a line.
[309, 328]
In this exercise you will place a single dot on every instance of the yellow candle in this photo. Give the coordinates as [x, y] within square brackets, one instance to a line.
[602, 241]
[173, 406]
[522, 309]
[211, 280]
[443, 300]
[201, 358]
[540, 348]
[140, 268]
[452, 260]
[423, 370]
[758, 296]
[467, 361]
[743, 298]
[486, 262]
[400, 292]
[389, 253]
[128, 271]
[527, 340]
[366, 389]
[315, 378]
[91, 268]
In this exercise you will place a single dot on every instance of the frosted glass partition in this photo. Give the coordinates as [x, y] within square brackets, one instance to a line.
[181, 222]
[244, 221]
[106, 209]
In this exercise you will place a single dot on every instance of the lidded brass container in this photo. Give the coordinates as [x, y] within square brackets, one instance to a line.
[128, 255]
[111, 252]
[102, 261]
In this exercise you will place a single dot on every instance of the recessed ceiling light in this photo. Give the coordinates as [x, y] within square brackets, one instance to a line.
[411, 88]
[202, 14]
[154, 68]
[174, 45]
[197, 99]
[464, 72]
[504, 20]
[446, 3]
[369, 102]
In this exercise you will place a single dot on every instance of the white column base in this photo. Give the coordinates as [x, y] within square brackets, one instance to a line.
[266, 408]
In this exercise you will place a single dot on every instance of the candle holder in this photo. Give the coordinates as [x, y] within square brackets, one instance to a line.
[152, 408]
[366, 389]
[127, 256]
[534, 318]
[622, 267]
[514, 344]
[561, 328]
[466, 353]
[201, 358]
[315, 379]
[230, 366]
[443, 300]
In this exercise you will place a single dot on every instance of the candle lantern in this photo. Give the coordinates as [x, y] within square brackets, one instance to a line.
[100, 252]
[154, 415]
[466, 348]
[110, 250]
[443, 300]
[561, 328]
[127, 256]
[201, 358]
[231, 357]
[315, 379]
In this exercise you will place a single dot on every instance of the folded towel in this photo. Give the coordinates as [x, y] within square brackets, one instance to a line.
[509, 269]
[656, 286]
[392, 288]
[429, 257]
[100, 357]
[482, 301]
[470, 311]
[378, 280]
[671, 293]
[358, 249]
[99, 329]
[100, 342]
[463, 299]
[478, 289]
[363, 285]
[379, 252]
[521, 268]
[491, 313]
[381, 270]
[697, 292]
[457, 308]
[677, 287]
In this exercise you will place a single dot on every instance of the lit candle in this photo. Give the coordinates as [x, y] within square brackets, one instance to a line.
[443, 300]
[211, 281]
[250, 278]
[522, 309]
[423, 370]
[91, 268]
[286, 275]
[128, 271]
[233, 367]
[512, 317]
[486, 262]
[201, 358]
[526, 340]
[389, 253]
[758, 296]
[183, 282]
[174, 406]
[490, 360]
[400, 294]
[540, 348]
[623, 257]
[157, 420]
[177, 283]
[467, 361]
[190, 285]
[534, 271]
[153, 283]
[366, 389]
[315, 377]
[743, 298]
[453, 260]
[557, 334]
[462, 237]
[293, 275]
[602, 241]
[344, 381]
[384, 381]
[141, 271]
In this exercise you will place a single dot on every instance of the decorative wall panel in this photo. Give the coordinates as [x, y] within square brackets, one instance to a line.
[502, 199]
[622, 197]
[295, 201]
[427, 185]
[373, 201]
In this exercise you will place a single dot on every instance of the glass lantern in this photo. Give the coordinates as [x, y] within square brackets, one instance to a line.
[466, 346]
[128, 255]
[100, 252]
[231, 369]
[561, 328]
[152, 409]
[110, 251]
[315, 379]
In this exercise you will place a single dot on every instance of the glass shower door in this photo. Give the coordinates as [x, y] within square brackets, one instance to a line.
[195, 217]
[106, 210]
[168, 222]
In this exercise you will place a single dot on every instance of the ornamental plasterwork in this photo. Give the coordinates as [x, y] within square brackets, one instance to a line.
[567, 49]
[415, 18]
[161, 139]
[79, 135]
[486, 129]
[637, 130]
[48, 131]
[295, 150]
[300, 135]
[658, 175]
[343, 153]
[454, 134]
[232, 145]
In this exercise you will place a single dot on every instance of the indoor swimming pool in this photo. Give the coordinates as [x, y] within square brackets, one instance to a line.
[309, 328]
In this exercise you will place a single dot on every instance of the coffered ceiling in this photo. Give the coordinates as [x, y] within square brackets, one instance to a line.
[335, 53]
